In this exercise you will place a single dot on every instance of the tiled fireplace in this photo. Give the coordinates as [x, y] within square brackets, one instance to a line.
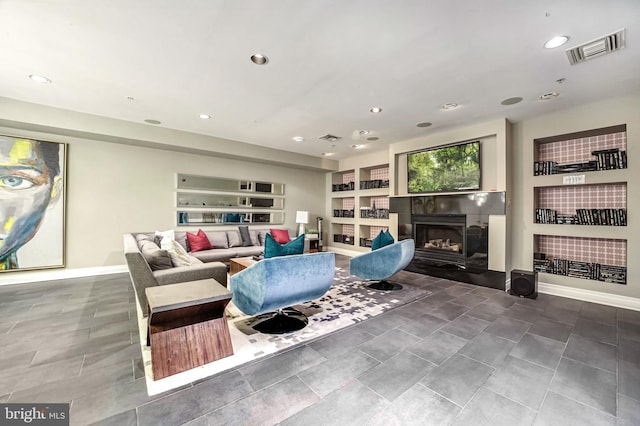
[451, 234]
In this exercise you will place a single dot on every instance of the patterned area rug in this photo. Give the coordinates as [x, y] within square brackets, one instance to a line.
[348, 302]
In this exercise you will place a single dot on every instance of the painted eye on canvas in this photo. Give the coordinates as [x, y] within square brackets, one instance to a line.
[15, 182]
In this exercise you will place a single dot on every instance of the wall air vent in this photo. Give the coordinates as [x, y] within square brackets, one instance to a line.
[330, 138]
[598, 47]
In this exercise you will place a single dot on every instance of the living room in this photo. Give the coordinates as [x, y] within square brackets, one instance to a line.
[141, 194]
[121, 177]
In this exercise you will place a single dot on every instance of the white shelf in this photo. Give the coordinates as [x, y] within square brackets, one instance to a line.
[343, 220]
[374, 222]
[375, 192]
[585, 231]
[343, 194]
[591, 178]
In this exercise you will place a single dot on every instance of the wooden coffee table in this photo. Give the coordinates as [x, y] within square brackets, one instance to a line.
[237, 264]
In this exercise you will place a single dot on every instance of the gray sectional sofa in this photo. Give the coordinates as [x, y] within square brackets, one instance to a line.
[149, 265]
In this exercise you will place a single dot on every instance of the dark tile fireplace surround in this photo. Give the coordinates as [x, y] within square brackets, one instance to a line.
[451, 234]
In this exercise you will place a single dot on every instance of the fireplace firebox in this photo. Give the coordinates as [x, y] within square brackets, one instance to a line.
[441, 238]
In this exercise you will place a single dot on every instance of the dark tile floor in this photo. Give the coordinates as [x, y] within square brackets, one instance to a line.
[464, 355]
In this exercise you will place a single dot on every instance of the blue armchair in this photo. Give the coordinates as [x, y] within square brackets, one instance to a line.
[382, 263]
[277, 283]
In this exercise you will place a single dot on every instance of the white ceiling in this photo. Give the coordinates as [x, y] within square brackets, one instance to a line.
[329, 63]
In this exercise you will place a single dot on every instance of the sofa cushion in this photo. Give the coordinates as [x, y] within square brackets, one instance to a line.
[245, 236]
[262, 236]
[198, 241]
[247, 251]
[234, 238]
[177, 253]
[255, 237]
[215, 255]
[384, 238]
[280, 235]
[273, 249]
[198, 271]
[156, 257]
[181, 238]
[218, 239]
[142, 237]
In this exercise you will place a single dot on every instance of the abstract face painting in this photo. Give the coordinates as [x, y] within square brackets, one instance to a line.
[31, 185]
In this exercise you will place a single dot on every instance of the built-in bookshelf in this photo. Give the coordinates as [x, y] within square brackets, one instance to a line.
[581, 179]
[597, 204]
[601, 259]
[595, 150]
[359, 205]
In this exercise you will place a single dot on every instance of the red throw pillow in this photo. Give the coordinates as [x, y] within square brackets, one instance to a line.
[280, 235]
[198, 242]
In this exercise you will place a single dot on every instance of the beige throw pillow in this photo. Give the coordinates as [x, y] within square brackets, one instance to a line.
[179, 256]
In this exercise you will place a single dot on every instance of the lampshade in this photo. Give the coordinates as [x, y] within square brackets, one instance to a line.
[302, 217]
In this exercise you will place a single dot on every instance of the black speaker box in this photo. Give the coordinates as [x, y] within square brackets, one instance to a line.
[524, 284]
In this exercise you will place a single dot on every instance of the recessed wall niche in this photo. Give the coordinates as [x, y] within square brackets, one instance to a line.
[221, 201]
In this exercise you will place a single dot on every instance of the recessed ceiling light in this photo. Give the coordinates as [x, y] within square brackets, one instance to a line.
[548, 96]
[39, 78]
[373, 138]
[364, 132]
[327, 154]
[204, 116]
[357, 146]
[424, 124]
[259, 59]
[449, 106]
[298, 138]
[376, 110]
[130, 98]
[557, 41]
[511, 101]
[152, 121]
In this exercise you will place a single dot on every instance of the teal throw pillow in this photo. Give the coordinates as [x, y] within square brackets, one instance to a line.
[272, 248]
[384, 238]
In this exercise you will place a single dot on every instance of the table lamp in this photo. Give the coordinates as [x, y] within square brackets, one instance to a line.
[302, 218]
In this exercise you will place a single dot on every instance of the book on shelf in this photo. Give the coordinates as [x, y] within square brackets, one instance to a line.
[546, 216]
[609, 159]
[606, 159]
[609, 217]
[579, 269]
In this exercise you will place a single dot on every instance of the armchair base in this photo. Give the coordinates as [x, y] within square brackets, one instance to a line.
[282, 321]
[385, 285]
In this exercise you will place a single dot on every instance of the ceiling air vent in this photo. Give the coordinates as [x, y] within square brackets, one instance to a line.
[330, 138]
[597, 47]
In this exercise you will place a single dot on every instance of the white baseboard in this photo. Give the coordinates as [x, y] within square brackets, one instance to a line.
[7, 278]
[614, 300]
